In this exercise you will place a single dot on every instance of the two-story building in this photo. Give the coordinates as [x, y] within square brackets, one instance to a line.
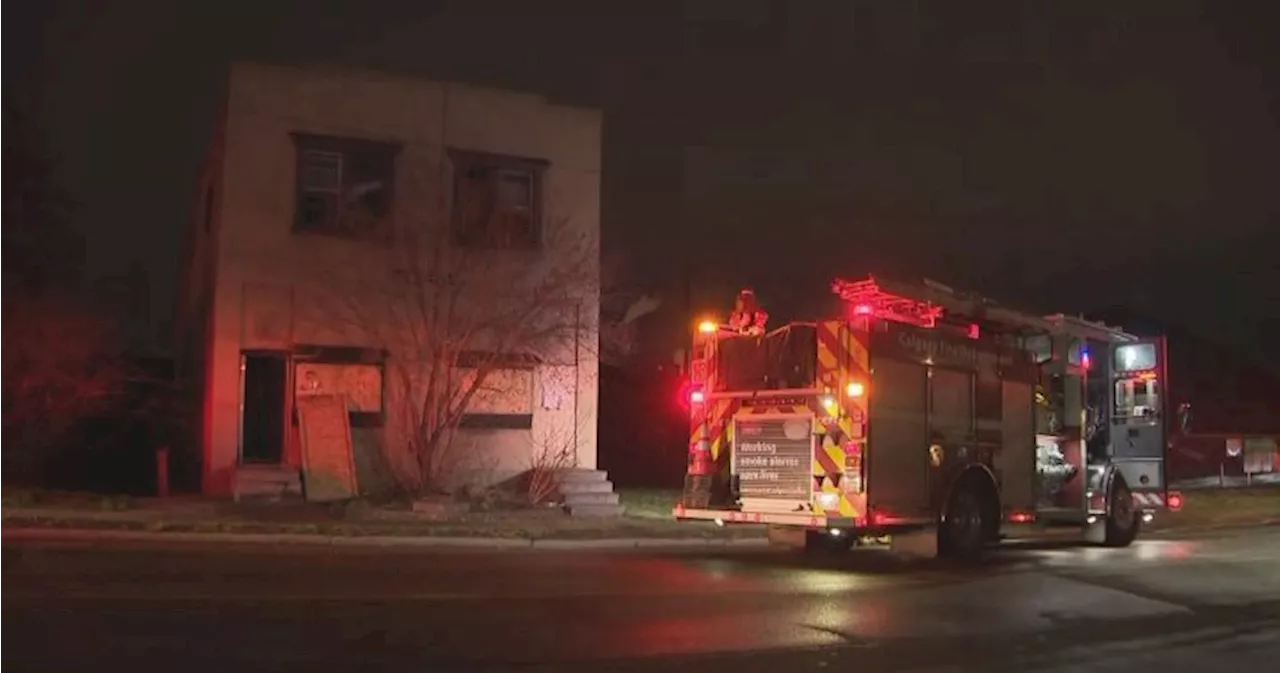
[312, 181]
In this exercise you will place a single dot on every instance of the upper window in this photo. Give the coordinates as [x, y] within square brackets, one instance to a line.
[497, 201]
[344, 185]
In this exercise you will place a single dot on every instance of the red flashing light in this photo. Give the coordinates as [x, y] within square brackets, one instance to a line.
[691, 394]
[1174, 501]
[1022, 517]
[863, 309]
[975, 332]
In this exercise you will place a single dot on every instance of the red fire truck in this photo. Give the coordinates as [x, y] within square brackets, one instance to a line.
[922, 413]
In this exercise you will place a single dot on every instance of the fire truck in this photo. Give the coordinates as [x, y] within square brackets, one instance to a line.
[923, 413]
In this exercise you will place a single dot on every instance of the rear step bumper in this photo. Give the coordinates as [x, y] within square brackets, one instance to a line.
[806, 519]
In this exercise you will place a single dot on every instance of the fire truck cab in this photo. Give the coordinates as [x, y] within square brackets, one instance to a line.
[928, 414]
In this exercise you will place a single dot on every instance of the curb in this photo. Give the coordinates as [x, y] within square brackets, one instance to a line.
[96, 535]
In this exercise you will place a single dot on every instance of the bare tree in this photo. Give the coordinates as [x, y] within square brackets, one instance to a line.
[63, 357]
[470, 299]
[554, 449]
[62, 365]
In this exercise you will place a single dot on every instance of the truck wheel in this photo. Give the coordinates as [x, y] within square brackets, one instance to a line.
[962, 533]
[1123, 520]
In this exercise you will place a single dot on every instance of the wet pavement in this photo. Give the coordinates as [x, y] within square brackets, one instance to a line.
[156, 607]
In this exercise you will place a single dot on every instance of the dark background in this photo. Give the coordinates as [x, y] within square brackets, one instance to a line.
[1069, 156]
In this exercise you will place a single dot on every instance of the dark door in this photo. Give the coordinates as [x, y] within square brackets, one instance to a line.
[262, 413]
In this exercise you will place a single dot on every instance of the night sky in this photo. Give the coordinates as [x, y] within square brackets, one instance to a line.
[1058, 155]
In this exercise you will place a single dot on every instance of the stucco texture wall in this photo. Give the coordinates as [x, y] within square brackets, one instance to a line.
[275, 288]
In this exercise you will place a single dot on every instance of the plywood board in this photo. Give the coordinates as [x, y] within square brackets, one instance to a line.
[328, 465]
[359, 384]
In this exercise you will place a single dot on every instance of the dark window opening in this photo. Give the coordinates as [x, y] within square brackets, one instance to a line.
[344, 186]
[497, 201]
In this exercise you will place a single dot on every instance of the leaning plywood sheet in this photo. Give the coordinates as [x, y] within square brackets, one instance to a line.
[328, 465]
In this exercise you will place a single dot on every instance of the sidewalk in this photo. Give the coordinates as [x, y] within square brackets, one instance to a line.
[648, 523]
[213, 521]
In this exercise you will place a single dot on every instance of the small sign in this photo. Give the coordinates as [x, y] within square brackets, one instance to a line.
[774, 457]
[558, 386]
[1235, 446]
[1261, 454]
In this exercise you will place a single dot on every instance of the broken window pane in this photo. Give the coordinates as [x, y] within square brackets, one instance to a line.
[320, 171]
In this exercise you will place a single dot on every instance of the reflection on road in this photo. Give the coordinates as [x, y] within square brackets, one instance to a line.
[329, 605]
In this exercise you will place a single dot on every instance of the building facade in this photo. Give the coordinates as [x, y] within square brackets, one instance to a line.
[327, 194]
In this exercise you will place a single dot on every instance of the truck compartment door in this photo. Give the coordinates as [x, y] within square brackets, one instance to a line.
[898, 442]
[1016, 460]
[1138, 413]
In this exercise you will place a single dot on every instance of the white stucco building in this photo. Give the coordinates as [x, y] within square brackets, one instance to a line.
[293, 149]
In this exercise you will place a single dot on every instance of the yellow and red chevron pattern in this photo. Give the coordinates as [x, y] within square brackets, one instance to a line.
[828, 467]
[836, 467]
[843, 362]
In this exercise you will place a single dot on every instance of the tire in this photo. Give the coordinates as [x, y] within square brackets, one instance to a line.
[1123, 519]
[963, 531]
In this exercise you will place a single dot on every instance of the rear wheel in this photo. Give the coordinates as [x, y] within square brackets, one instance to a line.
[1123, 518]
[963, 531]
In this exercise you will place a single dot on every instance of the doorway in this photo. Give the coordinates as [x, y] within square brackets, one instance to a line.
[264, 385]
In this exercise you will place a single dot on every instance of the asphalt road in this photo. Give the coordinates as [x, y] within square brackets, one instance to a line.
[1176, 604]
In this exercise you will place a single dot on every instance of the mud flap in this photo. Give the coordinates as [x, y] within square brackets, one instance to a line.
[921, 544]
[790, 537]
[1096, 532]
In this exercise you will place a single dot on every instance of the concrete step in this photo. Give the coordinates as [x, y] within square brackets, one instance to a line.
[271, 474]
[269, 482]
[570, 487]
[596, 510]
[579, 475]
[575, 499]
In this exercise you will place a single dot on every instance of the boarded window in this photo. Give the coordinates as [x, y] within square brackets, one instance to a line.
[503, 391]
[360, 384]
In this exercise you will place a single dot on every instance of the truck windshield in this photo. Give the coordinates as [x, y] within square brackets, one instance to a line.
[785, 358]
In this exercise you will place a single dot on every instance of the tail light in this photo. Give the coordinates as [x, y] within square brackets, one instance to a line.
[691, 394]
[1174, 501]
